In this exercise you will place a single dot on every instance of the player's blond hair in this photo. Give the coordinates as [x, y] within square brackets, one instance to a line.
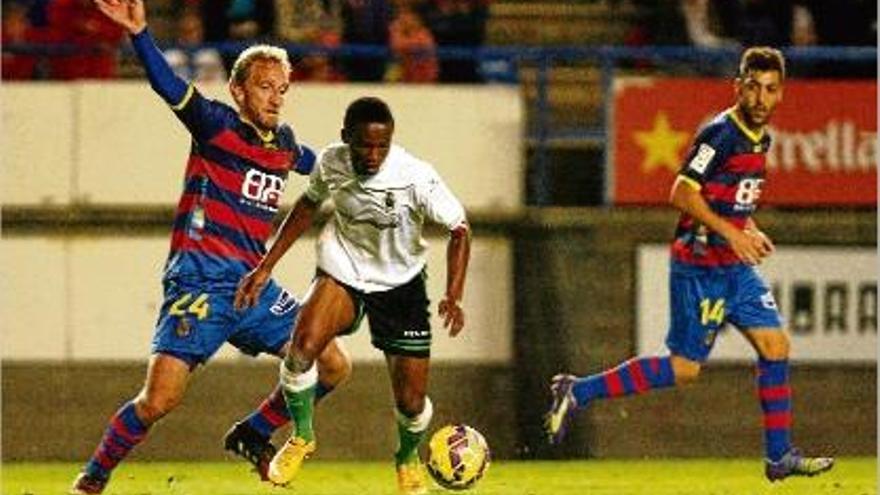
[762, 58]
[246, 59]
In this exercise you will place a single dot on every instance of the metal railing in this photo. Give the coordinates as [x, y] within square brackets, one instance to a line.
[504, 65]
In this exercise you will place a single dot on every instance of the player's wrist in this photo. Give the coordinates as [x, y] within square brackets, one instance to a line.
[137, 29]
[452, 299]
[729, 231]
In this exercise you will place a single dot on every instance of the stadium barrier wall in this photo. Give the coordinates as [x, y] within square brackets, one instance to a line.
[118, 143]
[97, 297]
[573, 295]
[58, 411]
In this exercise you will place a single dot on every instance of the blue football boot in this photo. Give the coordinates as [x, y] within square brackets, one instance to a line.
[562, 408]
[793, 463]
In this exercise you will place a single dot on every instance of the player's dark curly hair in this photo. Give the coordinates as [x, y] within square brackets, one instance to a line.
[762, 58]
[367, 109]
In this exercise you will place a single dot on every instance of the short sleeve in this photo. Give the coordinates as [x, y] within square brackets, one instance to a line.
[438, 202]
[305, 160]
[707, 153]
[317, 190]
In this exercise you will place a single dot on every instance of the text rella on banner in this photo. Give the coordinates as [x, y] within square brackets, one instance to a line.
[823, 151]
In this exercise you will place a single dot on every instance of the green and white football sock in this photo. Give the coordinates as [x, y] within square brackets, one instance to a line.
[411, 431]
[299, 394]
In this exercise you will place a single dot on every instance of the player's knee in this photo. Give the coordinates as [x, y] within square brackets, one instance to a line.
[774, 346]
[687, 376]
[685, 370]
[152, 408]
[296, 363]
[307, 348]
[411, 404]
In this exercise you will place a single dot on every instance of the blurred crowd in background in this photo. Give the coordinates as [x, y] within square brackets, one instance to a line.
[70, 39]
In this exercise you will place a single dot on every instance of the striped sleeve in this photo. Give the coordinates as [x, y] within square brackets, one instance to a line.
[174, 90]
[706, 154]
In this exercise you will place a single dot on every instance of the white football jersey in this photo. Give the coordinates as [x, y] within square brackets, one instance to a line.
[374, 241]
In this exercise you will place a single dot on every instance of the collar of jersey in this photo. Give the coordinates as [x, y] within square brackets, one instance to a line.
[754, 136]
[265, 136]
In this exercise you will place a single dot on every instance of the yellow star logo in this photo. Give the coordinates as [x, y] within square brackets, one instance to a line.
[662, 144]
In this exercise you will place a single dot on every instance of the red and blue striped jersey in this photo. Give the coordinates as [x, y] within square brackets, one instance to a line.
[234, 180]
[727, 164]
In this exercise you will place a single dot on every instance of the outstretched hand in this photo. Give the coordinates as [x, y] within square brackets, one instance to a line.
[129, 14]
[250, 287]
[453, 315]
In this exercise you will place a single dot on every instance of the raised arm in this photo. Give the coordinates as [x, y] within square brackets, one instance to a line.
[130, 14]
[458, 253]
[297, 222]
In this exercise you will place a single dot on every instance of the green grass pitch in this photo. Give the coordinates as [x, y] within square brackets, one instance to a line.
[851, 476]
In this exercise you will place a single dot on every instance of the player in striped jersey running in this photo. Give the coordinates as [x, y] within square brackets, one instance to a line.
[712, 278]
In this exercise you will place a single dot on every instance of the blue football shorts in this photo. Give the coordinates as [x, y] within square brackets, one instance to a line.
[702, 300]
[194, 321]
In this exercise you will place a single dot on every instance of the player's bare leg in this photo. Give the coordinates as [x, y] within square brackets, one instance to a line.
[409, 381]
[167, 379]
[327, 310]
[164, 387]
[686, 371]
[334, 364]
[782, 458]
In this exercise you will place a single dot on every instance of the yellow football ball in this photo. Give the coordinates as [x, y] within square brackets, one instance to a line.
[458, 456]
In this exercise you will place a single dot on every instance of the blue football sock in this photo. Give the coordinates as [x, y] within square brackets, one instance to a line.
[123, 433]
[635, 376]
[272, 413]
[774, 392]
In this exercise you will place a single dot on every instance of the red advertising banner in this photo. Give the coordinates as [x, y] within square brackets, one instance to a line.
[824, 139]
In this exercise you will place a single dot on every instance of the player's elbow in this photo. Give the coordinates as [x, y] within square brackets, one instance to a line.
[461, 231]
[675, 195]
[680, 194]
